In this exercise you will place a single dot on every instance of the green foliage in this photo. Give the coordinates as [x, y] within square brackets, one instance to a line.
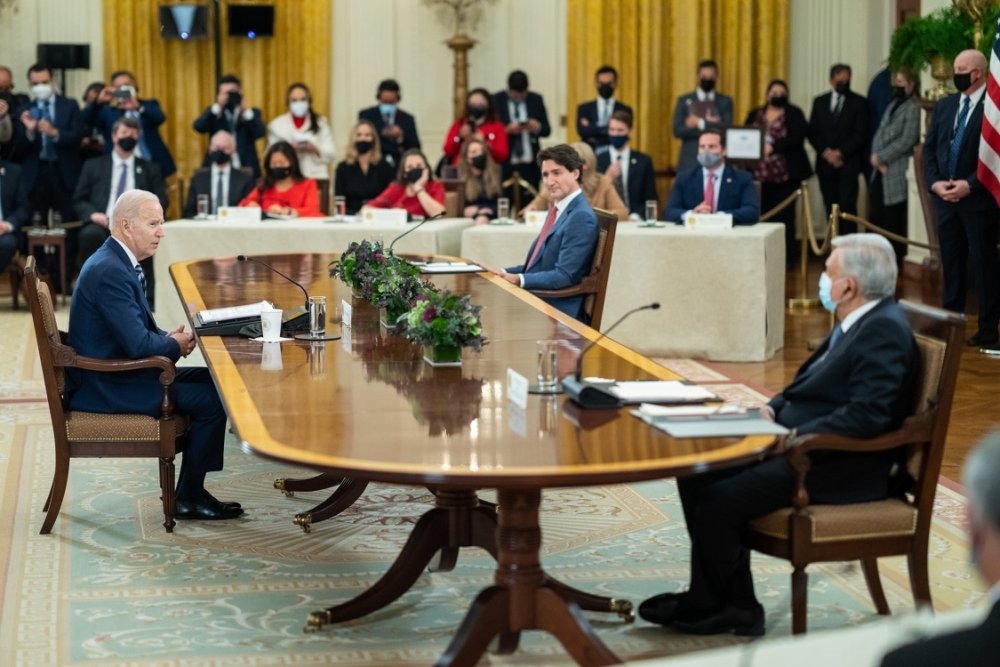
[444, 319]
[945, 32]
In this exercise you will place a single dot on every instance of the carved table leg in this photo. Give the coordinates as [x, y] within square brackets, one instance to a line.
[350, 490]
[318, 483]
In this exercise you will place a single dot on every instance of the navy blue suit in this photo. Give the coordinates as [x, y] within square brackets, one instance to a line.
[967, 229]
[405, 122]
[151, 116]
[51, 182]
[641, 186]
[566, 256]
[975, 647]
[110, 319]
[14, 208]
[863, 389]
[736, 195]
[594, 134]
[245, 132]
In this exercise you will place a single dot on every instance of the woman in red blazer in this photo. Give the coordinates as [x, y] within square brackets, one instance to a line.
[414, 188]
[480, 122]
[283, 190]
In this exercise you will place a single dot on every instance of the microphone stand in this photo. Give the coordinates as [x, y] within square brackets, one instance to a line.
[294, 318]
[415, 228]
[595, 396]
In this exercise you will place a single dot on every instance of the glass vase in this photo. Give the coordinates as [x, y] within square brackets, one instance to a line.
[443, 355]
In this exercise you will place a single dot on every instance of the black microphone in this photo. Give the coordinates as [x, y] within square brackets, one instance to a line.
[244, 258]
[590, 396]
[415, 228]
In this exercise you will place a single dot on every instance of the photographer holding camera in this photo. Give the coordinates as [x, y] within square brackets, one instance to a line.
[480, 122]
[229, 113]
[121, 99]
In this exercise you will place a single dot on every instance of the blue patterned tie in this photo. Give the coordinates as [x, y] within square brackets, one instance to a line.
[141, 277]
[48, 147]
[956, 141]
[835, 337]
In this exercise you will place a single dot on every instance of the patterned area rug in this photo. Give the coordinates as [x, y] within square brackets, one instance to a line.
[109, 586]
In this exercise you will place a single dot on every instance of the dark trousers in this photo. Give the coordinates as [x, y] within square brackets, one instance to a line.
[840, 186]
[968, 238]
[195, 396]
[8, 246]
[772, 194]
[892, 218]
[50, 192]
[92, 236]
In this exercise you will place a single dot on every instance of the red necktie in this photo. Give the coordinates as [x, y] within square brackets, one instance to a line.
[550, 221]
[710, 192]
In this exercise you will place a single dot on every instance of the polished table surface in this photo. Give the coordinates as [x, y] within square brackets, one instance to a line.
[367, 406]
[197, 239]
[723, 294]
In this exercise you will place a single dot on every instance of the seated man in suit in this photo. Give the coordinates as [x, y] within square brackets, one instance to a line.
[110, 319]
[397, 129]
[223, 184]
[592, 117]
[121, 100]
[700, 110]
[564, 250]
[979, 646]
[229, 113]
[858, 384]
[630, 170]
[105, 179]
[714, 187]
[14, 210]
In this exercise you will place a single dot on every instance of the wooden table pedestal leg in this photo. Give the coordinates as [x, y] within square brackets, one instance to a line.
[523, 598]
[318, 482]
[350, 489]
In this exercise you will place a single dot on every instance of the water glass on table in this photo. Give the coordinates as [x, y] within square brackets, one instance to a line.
[503, 210]
[202, 204]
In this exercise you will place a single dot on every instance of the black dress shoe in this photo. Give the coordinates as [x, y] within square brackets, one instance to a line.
[662, 608]
[214, 501]
[729, 619]
[983, 339]
[205, 511]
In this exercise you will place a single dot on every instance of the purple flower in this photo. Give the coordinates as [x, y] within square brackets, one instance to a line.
[430, 314]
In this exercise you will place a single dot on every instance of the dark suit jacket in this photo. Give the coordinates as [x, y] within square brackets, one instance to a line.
[536, 110]
[937, 145]
[793, 145]
[94, 187]
[736, 195]
[592, 134]
[848, 132]
[641, 180]
[247, 133]
[406, 123]
[688, 157]
[240, 185]
[109, 319]
[975, 647]
[151, 116]
[861, 390]
[13, 195]
[566, 256]
[69, 122]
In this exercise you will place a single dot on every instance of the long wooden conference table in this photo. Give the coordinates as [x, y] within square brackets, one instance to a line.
[369, 408]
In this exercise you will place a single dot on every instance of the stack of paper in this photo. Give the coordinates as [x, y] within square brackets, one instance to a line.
[706, 421]
[660, 391]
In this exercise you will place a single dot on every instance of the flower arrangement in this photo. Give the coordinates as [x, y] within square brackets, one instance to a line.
[394, 285]
[357, 263]
[445, 322]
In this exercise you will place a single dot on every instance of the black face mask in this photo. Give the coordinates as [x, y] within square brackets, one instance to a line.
[476, 112]
[779, 101]
[234, 99]
[128, 144]
[414, 175]
[605, 90]
[899, 92]
[219, 157]
[363, 147]
[707, 85]
[479, 162]
[842, 87]
[962, 81]
[279, 173]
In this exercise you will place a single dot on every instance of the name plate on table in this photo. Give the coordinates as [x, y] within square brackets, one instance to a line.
[240, 213]
[709, 222]
[395, 216]
[535, 218]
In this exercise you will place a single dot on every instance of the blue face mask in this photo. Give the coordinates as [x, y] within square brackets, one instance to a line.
[387, 109]
[825, 293]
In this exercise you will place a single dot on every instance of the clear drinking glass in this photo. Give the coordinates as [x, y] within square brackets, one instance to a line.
[651, 210]
[317, 360]
[317, 315]
[548, 366]
[503, 209]
[339, 207]
[202, 207]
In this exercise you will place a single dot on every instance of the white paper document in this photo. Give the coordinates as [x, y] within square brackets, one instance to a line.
[233, 312]
[715, 421]
[660, 391]
[447, 267]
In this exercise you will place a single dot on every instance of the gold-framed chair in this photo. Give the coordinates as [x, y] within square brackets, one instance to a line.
[805, 533]
[93, 435]
[594, 285]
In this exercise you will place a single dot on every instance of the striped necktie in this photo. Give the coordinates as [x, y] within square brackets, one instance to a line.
[141, 277]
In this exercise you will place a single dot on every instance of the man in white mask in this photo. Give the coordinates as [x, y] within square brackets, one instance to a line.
[714, 186]
[53, 130]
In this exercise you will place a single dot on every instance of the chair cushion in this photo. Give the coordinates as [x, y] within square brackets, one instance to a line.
[98, 427]
[831, 523]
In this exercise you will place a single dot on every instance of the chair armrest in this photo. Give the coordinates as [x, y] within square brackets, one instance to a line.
[586, 286]
[67, 357]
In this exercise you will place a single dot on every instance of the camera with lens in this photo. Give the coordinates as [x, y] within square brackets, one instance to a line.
[122, 94]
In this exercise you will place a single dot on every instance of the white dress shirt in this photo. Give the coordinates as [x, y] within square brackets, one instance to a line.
[560, 209]
[116, 172]
[518, 110]
[857, 314]
[605, 107]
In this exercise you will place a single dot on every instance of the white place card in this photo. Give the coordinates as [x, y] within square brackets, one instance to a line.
[394, 216]
[240, 213]
[709, 222]
[534, 218]
[345, 313]
[517, 388]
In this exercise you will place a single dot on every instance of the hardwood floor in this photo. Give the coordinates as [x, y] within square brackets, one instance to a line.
[974, 412]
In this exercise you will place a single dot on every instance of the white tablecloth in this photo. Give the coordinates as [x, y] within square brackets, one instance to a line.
[721, 294]
[199, 239]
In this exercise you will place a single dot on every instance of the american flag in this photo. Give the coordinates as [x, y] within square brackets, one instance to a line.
[988, 170]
